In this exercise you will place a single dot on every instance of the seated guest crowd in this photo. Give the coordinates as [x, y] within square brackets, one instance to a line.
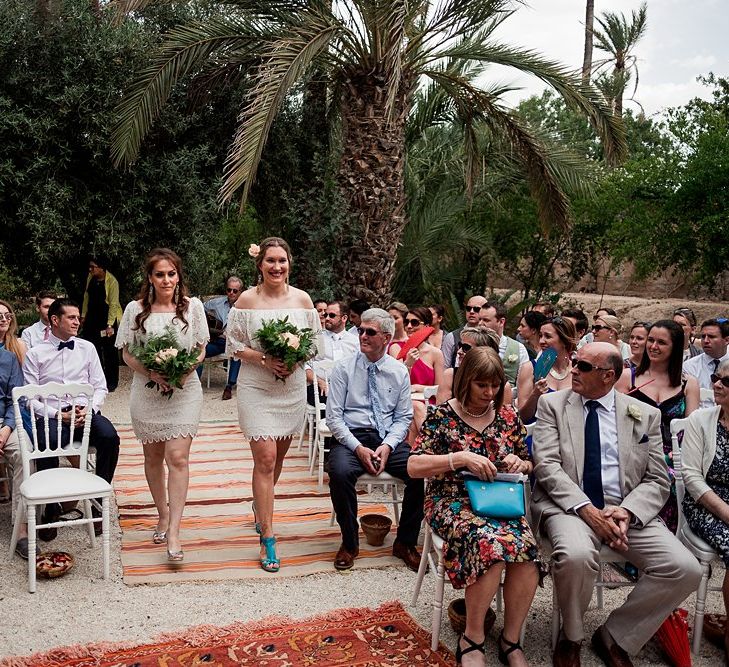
[600, 459]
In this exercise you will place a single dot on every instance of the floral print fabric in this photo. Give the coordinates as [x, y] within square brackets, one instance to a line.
[473, 543]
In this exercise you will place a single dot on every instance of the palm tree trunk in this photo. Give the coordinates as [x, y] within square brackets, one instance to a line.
[372, 181]
[589, 25]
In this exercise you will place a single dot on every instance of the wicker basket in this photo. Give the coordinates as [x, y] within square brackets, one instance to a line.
[457, 616]
[375, 528]
[44, 564]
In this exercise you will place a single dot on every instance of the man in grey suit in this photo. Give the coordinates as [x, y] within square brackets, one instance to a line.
[602, 479]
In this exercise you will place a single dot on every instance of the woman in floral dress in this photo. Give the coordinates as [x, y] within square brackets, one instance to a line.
[477, 432]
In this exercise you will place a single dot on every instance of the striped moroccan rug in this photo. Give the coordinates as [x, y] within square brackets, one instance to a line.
[217, 527]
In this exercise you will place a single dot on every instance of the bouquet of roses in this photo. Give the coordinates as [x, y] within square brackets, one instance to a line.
[164, 354]
[283, 340]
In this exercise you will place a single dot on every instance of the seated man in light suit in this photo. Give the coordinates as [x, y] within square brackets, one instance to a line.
[369, 411]
[601, 479]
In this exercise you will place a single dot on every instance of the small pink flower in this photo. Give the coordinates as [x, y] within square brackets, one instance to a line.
[292, 340]
[254, 250]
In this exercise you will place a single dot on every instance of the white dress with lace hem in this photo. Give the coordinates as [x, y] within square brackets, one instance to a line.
[267, 407]
[156, 418]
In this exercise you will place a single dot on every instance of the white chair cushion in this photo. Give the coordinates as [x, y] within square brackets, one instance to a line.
[59, 483]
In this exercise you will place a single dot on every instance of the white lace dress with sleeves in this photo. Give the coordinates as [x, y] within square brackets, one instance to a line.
[267, 407]
[156, 418]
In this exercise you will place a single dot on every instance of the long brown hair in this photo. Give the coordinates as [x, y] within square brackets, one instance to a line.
[483, 364]
[146, 294]
[12, 342]
[272, 242]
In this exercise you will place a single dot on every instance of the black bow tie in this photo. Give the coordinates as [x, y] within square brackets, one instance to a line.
[69, 344]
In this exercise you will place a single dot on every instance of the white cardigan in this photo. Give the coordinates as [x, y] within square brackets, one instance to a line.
[698, 449]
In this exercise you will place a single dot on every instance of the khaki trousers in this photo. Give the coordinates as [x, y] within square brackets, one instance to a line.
[669, 574]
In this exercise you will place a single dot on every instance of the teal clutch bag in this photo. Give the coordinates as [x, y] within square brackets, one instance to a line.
[501, 499]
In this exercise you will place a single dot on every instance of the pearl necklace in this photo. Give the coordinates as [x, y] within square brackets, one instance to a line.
[557, 376]
[477, 416]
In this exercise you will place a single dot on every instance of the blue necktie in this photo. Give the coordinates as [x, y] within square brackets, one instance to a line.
[375, 400]
[592, 473]
[69, 344]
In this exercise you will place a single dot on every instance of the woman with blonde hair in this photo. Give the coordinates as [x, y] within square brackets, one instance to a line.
[270, 411]
[477, 431]
[165, 425]
[8, 332]
[398, 311]
[607, 329]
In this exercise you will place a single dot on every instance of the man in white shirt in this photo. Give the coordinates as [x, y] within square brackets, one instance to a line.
[601, 478]
[40, 330]
[715, 343]
[67, 359]
[338, 345]
[449, 346]
[518, 368]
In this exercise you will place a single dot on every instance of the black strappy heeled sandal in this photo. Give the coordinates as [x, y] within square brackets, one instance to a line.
[504, 654]
[472, 646]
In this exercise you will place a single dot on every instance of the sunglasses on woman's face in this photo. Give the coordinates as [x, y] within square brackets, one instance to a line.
[465, 347]
[413, 322]
[599, 327]
[586, 367]
[718, 378]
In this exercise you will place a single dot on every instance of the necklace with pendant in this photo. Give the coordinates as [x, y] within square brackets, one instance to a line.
[477, 416]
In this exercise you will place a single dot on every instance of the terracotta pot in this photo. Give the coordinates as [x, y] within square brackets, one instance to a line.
[375, 528]
[457, 616]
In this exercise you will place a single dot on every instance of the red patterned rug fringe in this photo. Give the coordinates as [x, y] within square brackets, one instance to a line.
[384, 636]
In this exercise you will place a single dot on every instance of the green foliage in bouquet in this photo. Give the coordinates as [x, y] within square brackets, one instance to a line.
[285, 341]
[164, 355]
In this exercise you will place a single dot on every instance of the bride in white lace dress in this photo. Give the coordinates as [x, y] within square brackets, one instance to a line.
[270, 411]
[165, 426]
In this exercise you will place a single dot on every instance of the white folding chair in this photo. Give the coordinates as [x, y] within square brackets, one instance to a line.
[706, 396]
[57, 485]
[208, 364]
[704, 553]
[321, 430]
[430, 392]
[432, 556]
[393, 486]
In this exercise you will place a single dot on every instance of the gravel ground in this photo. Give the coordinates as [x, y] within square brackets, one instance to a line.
[81, 607]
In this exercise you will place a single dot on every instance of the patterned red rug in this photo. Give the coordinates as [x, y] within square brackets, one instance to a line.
[387, 636]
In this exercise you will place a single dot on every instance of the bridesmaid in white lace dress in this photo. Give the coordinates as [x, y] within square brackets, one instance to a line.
[270, 411]
[165, 426]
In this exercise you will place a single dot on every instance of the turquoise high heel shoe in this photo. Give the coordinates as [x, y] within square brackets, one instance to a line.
[271, 562]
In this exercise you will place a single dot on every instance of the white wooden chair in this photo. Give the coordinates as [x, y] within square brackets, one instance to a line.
[57, 485]
[321, 430]
[393, 486]
[432, 556]
[706, 396]
[704, 553]
[209, 363]
[430, 392]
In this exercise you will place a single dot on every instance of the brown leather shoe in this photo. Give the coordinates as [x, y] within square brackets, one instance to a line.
[344, 560]
[409, 554]
[227, 394]
[566, 653]
[608, 650]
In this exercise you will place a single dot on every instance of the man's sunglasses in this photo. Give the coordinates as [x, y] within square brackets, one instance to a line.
[370, 332]
[465, 347]
[232, 289]
[332, 316]
[718, 378]
[586, 367]
[473, 309]
[412, 322]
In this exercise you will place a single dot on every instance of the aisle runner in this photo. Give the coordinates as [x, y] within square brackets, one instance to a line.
[217, 527]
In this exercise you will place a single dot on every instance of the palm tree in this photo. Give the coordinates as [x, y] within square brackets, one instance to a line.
[618, 37]
[376, 54]
[587, 57]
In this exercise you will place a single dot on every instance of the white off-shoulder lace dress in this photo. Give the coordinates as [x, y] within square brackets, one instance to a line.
[156, 418]
[267, 407]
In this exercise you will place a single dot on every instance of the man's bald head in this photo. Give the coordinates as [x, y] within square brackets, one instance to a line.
[598, 368]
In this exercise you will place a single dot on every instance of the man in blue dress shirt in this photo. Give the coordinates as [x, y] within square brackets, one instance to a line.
[369, 411]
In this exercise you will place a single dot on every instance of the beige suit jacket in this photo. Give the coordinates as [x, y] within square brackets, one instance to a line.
[559, 456]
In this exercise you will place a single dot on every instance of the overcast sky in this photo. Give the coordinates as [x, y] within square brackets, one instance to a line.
[685, 38]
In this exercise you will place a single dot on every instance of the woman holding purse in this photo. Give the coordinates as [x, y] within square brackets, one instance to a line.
[475, 431]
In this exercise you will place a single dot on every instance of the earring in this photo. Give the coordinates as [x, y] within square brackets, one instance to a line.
[177, 293]
[150, 295]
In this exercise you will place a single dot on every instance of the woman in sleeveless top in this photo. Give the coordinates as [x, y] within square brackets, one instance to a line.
[425, 362]
[398, 311]
[270, 411]
[658, 381]
[165, 425]
[636, 342]
[437, 310]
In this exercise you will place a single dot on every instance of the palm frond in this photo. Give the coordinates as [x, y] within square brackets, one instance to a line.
[285, 61]
[394, 24]
[583, 98]
[184, 50]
